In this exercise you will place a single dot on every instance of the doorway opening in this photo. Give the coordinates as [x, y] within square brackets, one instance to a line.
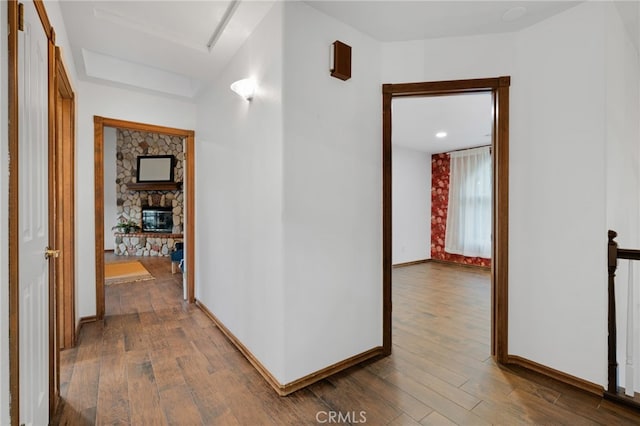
[498, 88]
[158, 191]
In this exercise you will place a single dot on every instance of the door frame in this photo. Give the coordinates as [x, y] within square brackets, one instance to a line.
[13, 225]
[499, 88]
[99, 123]
[64, 186]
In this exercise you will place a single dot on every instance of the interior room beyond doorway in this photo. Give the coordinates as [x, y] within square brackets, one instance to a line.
[153, 194]
[442, 179]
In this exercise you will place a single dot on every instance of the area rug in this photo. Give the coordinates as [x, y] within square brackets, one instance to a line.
[125, 272]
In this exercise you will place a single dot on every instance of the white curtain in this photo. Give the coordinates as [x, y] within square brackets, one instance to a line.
[469, 213]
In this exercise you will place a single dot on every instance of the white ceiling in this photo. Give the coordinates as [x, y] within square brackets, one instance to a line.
[399, 20]
[467, 120]
[158, 45]
[161, 46]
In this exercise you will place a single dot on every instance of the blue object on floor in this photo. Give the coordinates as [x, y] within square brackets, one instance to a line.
[177, 257]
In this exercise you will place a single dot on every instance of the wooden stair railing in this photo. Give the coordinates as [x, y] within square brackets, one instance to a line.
[613, 392]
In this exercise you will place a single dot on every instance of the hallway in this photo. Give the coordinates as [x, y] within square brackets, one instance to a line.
[158, 360]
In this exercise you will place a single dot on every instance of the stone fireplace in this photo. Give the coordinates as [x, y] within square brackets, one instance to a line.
[158, 212]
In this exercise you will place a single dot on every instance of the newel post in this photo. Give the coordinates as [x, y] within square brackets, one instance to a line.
[612, 263]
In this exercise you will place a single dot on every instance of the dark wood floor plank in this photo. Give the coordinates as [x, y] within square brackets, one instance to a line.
[392, 394]
[503, 414]
[67, 361]
[82, 391]
[69, 416]
[403, 357]
[453, 361]
[144, 400]
[445, 406]
[113, 401]
[620, 413]
[404, 420]
[488, 388]
[167, 372]
[345, 396]
[544, 412]
[179, 407]
[90, 342]
[247, 412]
[212, 353]
[436, 419]
[208, 388]
[303, 405]
[598, 414]
[445, 389]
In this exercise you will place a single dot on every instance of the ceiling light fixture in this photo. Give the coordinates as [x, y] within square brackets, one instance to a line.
[245, 88]
[441, 135]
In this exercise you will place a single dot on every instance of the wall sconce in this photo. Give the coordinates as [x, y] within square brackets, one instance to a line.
[340, 60]
[245, 88]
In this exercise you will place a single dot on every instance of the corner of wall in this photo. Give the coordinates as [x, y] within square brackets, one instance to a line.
[558, 106]
[622, 114]
[239, 192]
[54, 12]
[332, 199]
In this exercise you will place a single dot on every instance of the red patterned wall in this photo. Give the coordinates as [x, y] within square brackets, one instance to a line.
[439, 201]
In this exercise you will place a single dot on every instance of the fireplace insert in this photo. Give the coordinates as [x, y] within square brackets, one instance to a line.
[157, 219]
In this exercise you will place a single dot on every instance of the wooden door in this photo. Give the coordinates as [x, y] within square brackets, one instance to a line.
[33, 219]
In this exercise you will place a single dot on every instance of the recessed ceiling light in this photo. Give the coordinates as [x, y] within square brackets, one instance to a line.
[441, 134]
[514, 13]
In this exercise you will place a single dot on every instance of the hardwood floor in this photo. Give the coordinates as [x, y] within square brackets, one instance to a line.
[157, 360]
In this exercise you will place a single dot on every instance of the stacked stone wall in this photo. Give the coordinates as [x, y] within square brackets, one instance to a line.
[130, 145]
[140, 244]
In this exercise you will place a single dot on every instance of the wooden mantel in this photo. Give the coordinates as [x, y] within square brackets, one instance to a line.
[155, 186]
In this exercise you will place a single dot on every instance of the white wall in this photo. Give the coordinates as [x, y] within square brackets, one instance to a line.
[448, 58]
[307, 168]
[110, 197]
[239, 198]
[557, 256]
[4, 223]
[105, 101]
[411, 210]
[332, 195]
[62, 41]
[622, 154]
